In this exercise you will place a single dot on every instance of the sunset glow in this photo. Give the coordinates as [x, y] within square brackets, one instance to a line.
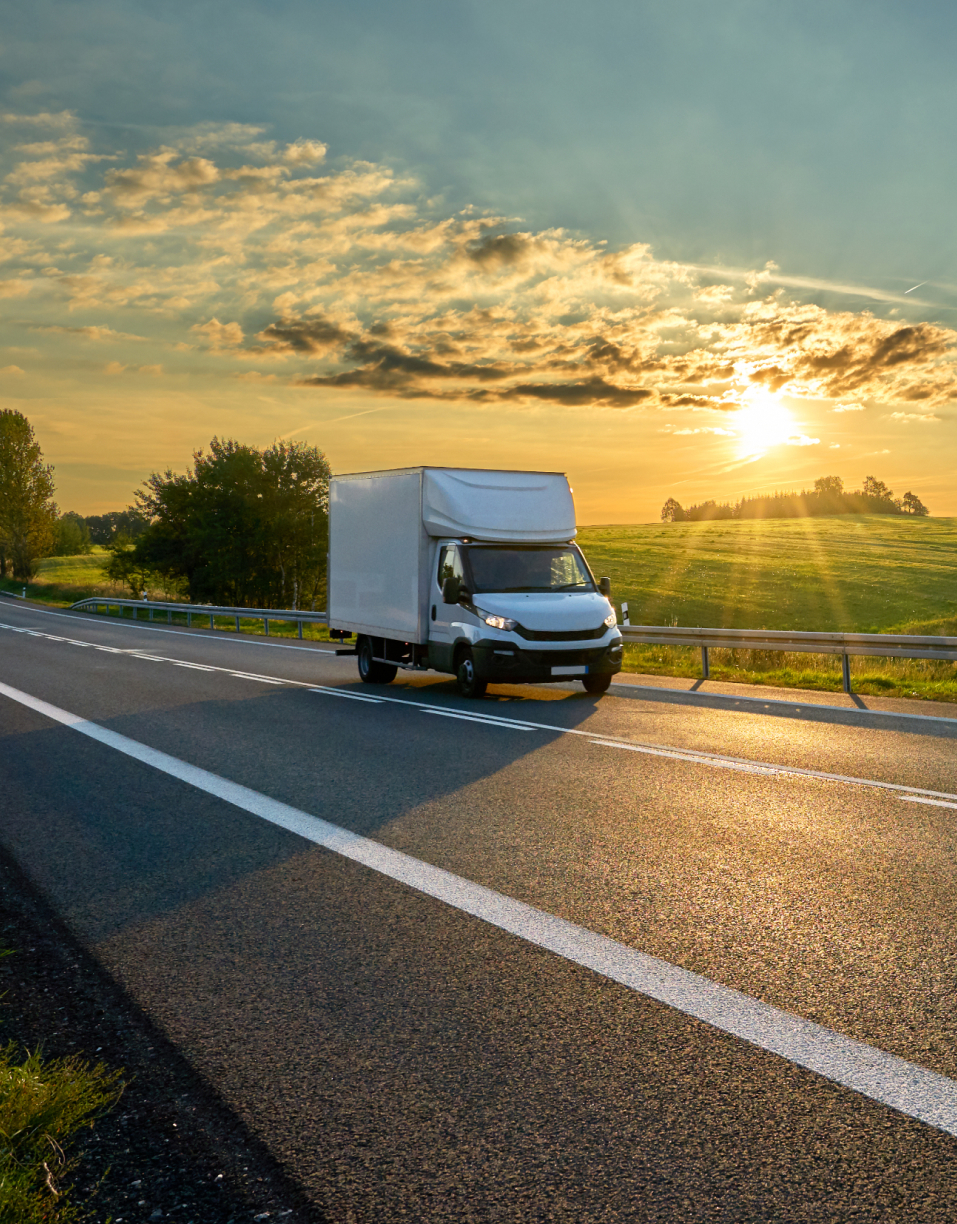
[391, 272]
[761, 423]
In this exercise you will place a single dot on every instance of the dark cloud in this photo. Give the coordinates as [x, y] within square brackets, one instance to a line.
[501, 251]
[594, 391]
[695, 402]
[308, 336]
[772, 377]
[383, 367]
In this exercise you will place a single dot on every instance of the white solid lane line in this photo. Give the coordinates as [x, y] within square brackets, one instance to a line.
[693, 755]
[883, 1077]
[930, 802]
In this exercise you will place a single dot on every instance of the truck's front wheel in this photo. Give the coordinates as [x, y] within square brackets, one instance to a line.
[466, 678]
[371, 671]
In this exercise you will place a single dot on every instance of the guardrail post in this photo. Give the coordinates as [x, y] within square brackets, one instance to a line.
[705, 664]
[237, 623]
[211, 624]
[300, 631]
[846, 673]
[266, 623]
[189, 619]
[151, 613]
[169, 616]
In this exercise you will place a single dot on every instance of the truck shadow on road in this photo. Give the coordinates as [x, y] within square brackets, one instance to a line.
[116, 843]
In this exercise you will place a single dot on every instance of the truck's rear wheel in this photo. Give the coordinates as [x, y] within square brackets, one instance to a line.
[370, 670]
[596, 684]
[469, 683]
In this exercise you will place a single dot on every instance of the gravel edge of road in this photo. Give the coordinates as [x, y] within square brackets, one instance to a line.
[171, 1145]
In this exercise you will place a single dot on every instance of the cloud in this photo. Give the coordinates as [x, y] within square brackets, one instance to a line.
[114, 367]
[153, 371]
[304, 153]
[62, 120]
[309, 337]
[802, 440]
[354, 280]
[704, 429]
[593, 392]
[218, 335]
[91, 332]
[159, 174]
[254, 376]
[11, 369]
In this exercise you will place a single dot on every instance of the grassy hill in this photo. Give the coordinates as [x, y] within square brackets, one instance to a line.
[864, 574]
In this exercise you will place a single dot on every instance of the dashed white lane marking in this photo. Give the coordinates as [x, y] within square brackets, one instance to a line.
[223, 635]
[904, 1086]
[477, 718]
[693, 755]
[717, 762]
[334, 692]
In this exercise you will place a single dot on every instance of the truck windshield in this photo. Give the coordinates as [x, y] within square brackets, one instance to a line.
[528, 569]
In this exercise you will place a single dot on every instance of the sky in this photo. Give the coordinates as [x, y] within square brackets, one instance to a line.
[673, 249]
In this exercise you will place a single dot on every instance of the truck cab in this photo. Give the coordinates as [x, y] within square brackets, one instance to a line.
[519, 613]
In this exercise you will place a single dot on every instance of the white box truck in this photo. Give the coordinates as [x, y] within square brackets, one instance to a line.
[467, 571]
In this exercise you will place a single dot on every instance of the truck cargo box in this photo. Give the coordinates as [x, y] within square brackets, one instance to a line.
[380, 524]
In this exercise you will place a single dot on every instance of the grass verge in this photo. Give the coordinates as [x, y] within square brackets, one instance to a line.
[44, 1105]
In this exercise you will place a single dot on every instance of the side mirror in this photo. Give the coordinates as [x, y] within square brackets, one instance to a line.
[604, 585]
[451, 589]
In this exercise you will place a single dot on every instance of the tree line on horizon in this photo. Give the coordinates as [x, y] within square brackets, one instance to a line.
[828, 498]
[245, 526]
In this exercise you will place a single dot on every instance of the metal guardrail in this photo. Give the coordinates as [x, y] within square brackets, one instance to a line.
[889, 645]
[151, 606]
[883, 645]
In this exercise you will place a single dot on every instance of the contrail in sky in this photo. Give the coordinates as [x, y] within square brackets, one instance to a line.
[913, 287]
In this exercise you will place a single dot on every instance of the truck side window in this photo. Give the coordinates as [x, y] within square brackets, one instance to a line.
[450, 564]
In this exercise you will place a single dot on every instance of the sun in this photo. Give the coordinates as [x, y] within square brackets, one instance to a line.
[762, 422]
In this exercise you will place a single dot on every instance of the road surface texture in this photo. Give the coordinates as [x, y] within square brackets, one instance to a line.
[660, 955]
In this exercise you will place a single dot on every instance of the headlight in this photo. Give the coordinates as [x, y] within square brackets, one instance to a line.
[498, 622]
[611, 619]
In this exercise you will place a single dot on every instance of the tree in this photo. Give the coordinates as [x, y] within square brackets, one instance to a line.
[124, 567]
[28, 514]
[911, 504]
[829, 484]
[104, 528]
[72, 536]
[245, 527]
[876, 488]
[671, 512]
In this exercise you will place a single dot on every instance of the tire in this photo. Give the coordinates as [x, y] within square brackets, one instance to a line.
[596, 684]
[469, 683]
[371, 671]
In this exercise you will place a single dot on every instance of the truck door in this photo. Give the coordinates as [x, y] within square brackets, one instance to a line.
[448, 565]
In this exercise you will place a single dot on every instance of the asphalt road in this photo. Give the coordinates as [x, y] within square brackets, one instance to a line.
[404, 1059]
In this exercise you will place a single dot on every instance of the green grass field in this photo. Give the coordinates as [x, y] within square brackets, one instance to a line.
[852, 574]
[856, 574]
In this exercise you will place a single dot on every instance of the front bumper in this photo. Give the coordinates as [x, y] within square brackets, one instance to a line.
[505, 663]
